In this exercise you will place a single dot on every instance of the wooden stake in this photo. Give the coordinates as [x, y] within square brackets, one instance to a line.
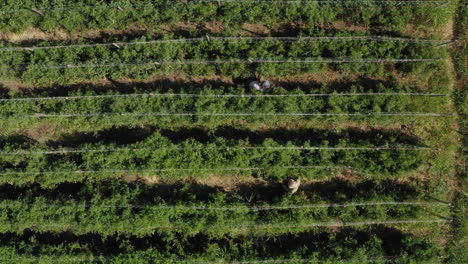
[116, 45]
[37, 11]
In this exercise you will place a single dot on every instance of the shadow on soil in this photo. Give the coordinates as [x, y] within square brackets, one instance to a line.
[335, 191]
[174, 84]
[320, 240]
[16, 141]
[127, 135]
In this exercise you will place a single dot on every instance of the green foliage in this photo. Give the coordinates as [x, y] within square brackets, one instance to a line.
[38, 66]
[207, 103]
[83, 222]
[326, 246]
[105, 209]
[455, 251]
[153, 13]
[455, 248]
[191, 157]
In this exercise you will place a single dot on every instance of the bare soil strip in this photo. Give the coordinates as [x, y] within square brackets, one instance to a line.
[48, 132]
[304, 81]
[252, 185]
[34, 35]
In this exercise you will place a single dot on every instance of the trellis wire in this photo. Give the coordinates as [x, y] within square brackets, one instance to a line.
[213, 62]
[274, 226]
[331, 224]
[341, 4]
[77, 150]
[194, 40]
[99, 258]
[224, 95]
[42, 115]
[234, 208]
[85, 171]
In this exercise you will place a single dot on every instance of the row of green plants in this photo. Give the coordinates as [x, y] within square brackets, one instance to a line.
[381, 244]
[206, 102]
[435, 79]
[56, 124]
[455, 249]
[183, 31]
[329, 191]
[190, 157]
[192, 209]
[38, 67]
[387, 83]
[87, 14]
[122, 135]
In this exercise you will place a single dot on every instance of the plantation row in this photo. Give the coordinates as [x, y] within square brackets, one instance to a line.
[337, 191]
[387, 84]
[204, 134]
[160, 155]
[112, 216]
[92, 122]
[64, 66]
[228, 100]
[86, 14]
[167, 156]
[349, 245]
[194, 35]
[124, 209]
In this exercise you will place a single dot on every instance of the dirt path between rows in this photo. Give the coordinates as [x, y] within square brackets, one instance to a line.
[306, 81]
[185, 29]
[253, 185]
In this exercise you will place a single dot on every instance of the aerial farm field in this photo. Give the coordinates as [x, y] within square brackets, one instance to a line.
[143, 131]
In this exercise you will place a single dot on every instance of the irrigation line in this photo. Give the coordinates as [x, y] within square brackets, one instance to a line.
[322, 224]
[224, 96]
[331, 224]
[77, 150]
[269, 226]
[234, 208]
[331, 3]
[42, 115]
[222, 261]
[227, 39]
[183, 169]
[215, 62]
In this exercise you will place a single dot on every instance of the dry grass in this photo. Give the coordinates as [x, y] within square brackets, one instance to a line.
[340, 24]
[32, 34]
[421, 31]
[300, 80]
[258, 29]
[229, 183]
[213, 27]
[41, 133]
[16, 86]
